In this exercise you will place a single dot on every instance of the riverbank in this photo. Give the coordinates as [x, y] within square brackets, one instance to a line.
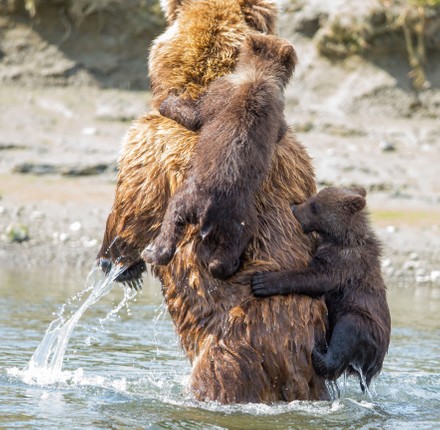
[61, 128]
[58, 166]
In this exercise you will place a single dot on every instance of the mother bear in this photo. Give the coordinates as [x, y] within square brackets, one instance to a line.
[242, 349]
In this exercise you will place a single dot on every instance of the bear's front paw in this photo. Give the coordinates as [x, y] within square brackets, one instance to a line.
[264, 284]
[158, 254]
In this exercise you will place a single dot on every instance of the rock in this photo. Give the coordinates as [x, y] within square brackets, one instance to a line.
[413, 256]
[37, 215]
[52, 169]
[94, 169]
[435, 276]
[63, 237]
[119, 109]
[422, 279]
[342, 130]
[11, 146]
[35, 168]
[89, 131]
[60, 237]
[386, 262]
[16, 233]
[87, 242]
[304, 127]
[386, 146]
[413, 266]
[76, 226]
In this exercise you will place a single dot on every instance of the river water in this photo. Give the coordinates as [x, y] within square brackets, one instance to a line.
[125, 369]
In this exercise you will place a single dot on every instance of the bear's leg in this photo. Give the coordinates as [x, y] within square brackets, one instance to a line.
[340, 352]
[162, 250]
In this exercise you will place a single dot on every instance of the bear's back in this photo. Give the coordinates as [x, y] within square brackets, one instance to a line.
[200, 46]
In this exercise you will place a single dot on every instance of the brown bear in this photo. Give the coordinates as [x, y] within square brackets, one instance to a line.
[346, 269]
[242, 349]
[241, 119]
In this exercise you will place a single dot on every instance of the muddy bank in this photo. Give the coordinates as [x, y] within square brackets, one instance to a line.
[81, 43]
[62, 215]
[61, 130]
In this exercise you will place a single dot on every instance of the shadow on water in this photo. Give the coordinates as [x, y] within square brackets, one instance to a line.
[127, 370]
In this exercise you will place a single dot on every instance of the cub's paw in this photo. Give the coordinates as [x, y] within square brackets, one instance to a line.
[158, 253]
[167, 107]
[318, 361]
[264, 284]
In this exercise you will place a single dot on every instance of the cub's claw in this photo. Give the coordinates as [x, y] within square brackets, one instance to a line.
[160, 255]
[260, 287]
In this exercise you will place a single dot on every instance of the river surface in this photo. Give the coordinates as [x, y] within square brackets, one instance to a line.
[125, 369]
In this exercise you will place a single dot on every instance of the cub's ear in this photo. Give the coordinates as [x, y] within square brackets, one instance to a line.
[256, 43]
[358, 190]
[354, 203]
[260, 15]
[170, 9]
[288, 57]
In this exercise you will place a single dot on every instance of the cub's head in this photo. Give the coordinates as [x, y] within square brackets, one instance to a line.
[274, 54]
[260, 15]
[331, 211]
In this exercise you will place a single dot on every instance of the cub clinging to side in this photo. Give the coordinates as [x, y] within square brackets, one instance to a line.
[346, 269]
[240, 118]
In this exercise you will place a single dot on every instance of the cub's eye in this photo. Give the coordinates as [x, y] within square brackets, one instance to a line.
[314, 208]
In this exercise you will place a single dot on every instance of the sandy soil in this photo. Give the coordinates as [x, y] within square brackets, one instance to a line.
[59, 146]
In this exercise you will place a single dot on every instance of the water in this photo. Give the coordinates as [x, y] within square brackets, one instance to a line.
[47, 360]
[123, 367]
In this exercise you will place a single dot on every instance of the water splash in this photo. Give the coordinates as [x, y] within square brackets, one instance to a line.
[47, 360]
[333, 389]
[363, 381]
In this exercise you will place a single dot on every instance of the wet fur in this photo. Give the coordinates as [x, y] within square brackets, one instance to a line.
[233, 156]
[346, 269]
[242, 349]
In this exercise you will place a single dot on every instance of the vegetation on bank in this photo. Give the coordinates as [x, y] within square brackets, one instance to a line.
[412, 23]
[409, 25]
[146, 12]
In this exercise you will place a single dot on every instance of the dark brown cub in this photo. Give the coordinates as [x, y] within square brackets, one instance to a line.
[346, 269]
[241, 119]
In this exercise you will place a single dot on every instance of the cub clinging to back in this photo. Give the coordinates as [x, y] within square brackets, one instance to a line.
[240, 118]
[346, 269]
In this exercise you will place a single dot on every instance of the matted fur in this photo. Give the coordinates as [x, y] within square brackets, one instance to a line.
[242, 349]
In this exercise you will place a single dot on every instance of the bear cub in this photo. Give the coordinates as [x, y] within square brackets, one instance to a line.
[346, 270]
[241, 119]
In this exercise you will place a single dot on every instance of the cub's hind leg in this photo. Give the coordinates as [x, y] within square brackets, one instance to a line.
[341, 350]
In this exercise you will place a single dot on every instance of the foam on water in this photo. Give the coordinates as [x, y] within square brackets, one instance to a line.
[45, 366]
